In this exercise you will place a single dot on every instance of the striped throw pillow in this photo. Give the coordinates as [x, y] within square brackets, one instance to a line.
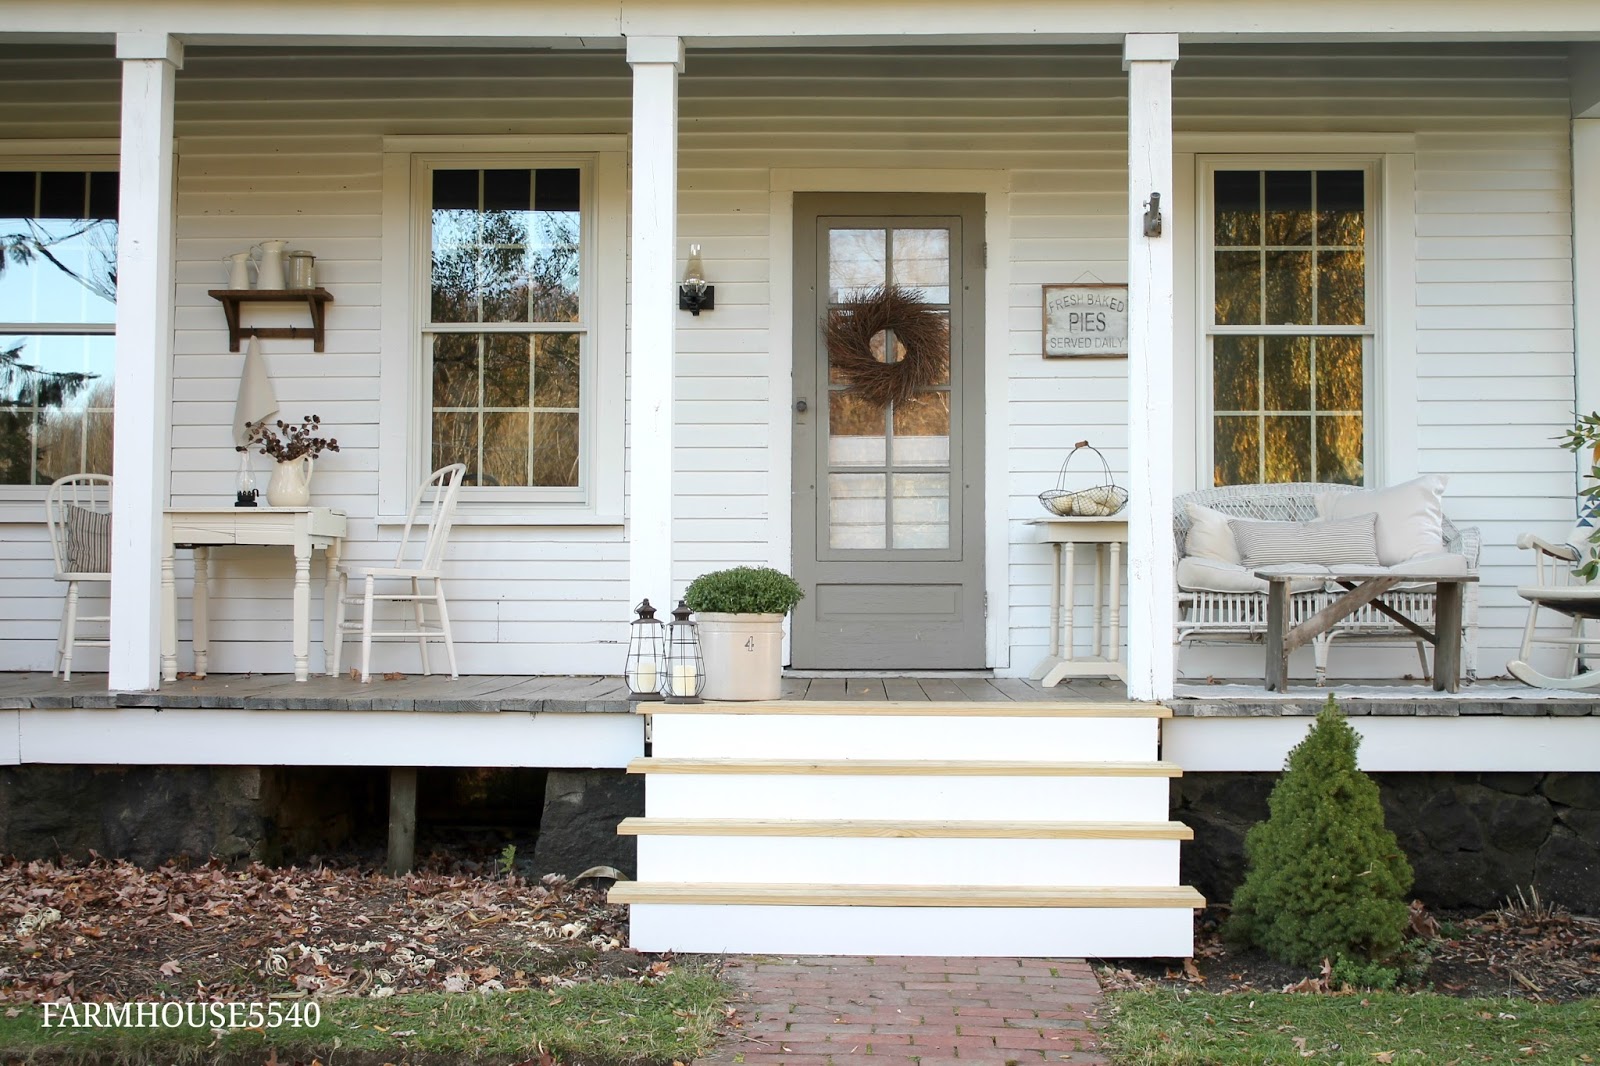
[1342, 540]
[88, 540]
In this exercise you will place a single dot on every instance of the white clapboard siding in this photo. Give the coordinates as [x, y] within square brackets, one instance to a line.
[282, 143]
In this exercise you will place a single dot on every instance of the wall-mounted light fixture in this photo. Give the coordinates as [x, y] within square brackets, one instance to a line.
[694, 295]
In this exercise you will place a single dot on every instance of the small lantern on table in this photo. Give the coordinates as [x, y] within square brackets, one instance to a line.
[686, 670]
[647, 653]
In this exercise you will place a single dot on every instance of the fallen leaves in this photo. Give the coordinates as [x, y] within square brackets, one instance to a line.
[110, 930]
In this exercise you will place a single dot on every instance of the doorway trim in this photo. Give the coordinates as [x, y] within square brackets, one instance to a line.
[995, 187]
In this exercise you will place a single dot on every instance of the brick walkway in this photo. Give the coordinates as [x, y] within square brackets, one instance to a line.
[826, 1011]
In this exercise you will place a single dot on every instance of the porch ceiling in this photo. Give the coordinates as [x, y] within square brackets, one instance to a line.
[726, 23]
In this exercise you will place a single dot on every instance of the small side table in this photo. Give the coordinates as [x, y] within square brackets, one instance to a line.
[1107, 536]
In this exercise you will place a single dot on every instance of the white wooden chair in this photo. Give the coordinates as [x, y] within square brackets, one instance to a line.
[1556, 588]
[78, 516]
[435, 503]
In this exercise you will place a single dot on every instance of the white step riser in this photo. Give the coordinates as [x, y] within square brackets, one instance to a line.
[790, 736]
[908, 861]
[907, 797]
[981, 931]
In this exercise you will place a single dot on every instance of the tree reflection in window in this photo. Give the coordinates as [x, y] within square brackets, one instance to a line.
[1289, 261]
[58, 263]
[506, 248]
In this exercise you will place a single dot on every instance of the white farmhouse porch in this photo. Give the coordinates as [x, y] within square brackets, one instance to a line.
[683, 373]
[1477, 133]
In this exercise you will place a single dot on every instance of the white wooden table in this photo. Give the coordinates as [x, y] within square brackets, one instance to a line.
[1107, 536]
[304, 529]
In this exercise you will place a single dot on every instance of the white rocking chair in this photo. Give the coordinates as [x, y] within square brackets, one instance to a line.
[438, 496]
[1557, 588]
[77, 513]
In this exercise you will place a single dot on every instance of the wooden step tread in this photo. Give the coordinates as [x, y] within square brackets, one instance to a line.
[860, 827]
[904, 767]
[927, 708]
[790, 895]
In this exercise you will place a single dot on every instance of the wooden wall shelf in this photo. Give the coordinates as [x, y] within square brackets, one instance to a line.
[316, 300]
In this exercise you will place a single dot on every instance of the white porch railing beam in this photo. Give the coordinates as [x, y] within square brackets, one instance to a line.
[150, 63]
[656, 62]
[1148, 59]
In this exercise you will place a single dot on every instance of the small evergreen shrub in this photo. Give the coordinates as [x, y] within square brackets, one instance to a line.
[743, 590]
[1325, 876]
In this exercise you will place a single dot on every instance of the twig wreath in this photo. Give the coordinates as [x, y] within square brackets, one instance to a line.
[923, 331]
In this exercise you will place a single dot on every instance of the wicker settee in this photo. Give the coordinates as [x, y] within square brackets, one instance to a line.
[1212, 615]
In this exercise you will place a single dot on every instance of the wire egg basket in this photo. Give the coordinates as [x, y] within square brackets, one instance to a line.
[1098, 501]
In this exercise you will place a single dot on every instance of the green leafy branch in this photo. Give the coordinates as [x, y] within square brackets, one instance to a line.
[1586, 434]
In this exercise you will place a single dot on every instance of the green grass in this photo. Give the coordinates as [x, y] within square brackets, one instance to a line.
[1169, 1028]
[610, 1022]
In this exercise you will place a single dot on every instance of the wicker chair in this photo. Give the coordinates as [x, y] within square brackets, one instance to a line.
[1206, 616]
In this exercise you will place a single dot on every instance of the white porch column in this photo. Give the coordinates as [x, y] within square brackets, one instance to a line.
[656, 62]
[1586, 266]
[1148, 59]
[150, 63]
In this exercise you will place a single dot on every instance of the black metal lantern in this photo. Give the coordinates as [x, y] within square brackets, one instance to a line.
[686, 670]
[647, 654]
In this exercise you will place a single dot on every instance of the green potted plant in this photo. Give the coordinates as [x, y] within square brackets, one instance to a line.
[740, 613]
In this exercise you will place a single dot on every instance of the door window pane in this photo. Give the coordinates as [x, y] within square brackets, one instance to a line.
[921, 511]
[857, 262]
[922, 430]
[922, 261]
[856, 511]
[855, 431]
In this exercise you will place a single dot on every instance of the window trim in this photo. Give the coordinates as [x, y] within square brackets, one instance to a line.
[1209, 166]
[403, 387]
[1393, 413]
[84, 155]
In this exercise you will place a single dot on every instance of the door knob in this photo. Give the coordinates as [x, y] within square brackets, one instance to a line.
[801, 405]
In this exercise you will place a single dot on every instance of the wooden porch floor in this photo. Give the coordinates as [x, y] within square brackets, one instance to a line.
[570, 695]
[487, 693]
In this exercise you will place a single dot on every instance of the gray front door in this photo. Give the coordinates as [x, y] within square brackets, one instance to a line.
[888, 499]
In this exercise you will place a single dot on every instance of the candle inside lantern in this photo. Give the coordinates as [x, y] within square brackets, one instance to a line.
[683, 680]
[646, 677]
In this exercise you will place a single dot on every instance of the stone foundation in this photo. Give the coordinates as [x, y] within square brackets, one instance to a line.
[149, 814]
[1472, 838]
[579, 827]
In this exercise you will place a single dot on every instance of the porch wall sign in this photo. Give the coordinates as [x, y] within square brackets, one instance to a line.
[1085, 320]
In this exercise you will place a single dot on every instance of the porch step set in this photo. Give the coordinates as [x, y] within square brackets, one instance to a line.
[908, 829]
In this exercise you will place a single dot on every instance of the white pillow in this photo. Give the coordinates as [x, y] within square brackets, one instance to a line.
[1210, 535]
[1209, 575]
[1343, 540]
[1410, 516]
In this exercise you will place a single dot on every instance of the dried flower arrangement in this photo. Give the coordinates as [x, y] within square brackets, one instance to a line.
[288, 441]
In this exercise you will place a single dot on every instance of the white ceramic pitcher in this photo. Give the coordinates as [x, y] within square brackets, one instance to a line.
[291, 483]
[238, 265]
[269, 264]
